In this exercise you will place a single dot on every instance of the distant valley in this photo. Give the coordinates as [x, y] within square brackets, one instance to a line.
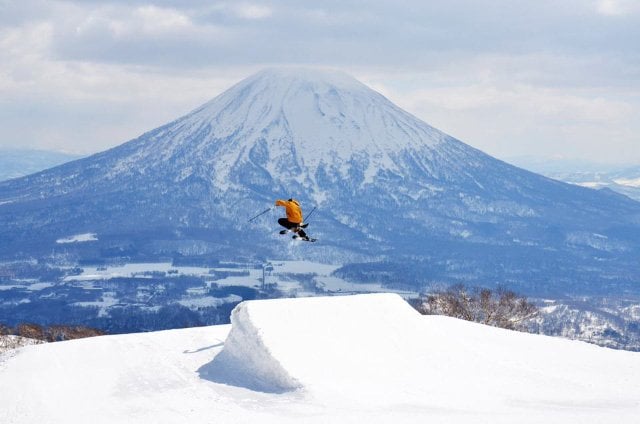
[619, 178]
[16, 163]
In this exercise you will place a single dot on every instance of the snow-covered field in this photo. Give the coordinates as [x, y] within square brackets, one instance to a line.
[348, 359]
[131, 270]
[253, 277]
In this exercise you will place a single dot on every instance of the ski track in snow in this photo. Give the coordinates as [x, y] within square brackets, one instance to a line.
[366, 358]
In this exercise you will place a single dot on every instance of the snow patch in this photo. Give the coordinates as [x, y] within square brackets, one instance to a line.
[78, 238]
[628, 182]
[595, 241]
[208, 301]
[463, 233]
[589, 184]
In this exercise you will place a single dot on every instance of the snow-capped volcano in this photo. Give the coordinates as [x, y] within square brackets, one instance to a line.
[291, 123]
[304, 118]
[388, 188]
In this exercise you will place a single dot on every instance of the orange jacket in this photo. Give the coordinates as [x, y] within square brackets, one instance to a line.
[294, 213]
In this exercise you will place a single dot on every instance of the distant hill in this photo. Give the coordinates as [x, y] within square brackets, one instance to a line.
[16, 163]
[622, 179]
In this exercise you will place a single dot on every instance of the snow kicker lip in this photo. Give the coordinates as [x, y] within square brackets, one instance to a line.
[282, 345]
[246, 361]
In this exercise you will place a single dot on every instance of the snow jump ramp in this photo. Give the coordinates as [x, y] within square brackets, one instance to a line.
[375, 353]
[282, 345]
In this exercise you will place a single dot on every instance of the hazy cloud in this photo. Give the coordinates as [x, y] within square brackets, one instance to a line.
[253, 11]
[617, 7]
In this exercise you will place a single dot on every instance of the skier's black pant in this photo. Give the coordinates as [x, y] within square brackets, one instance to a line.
[291, 225]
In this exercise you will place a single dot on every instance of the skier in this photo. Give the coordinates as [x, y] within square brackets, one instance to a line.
[293, 221]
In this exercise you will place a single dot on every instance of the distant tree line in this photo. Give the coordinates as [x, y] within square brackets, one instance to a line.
[499, 308]
[52, 333]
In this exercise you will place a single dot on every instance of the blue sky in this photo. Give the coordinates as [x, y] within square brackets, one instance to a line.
[553, 79]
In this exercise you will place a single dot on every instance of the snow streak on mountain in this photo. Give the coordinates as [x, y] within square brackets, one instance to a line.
[388, 187]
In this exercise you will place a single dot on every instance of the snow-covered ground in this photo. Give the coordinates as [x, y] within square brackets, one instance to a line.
[8, 343]
[348, 359]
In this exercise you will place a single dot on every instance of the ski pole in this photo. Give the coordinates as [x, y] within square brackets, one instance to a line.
[261, 213]
[310, 213]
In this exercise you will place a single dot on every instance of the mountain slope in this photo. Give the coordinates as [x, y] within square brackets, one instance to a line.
[388, 187]
[378, 361]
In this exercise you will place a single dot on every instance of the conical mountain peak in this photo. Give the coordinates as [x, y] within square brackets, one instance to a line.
[304, 76]
[301, 117]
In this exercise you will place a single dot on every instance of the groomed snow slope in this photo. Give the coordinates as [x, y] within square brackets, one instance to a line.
[367, 358]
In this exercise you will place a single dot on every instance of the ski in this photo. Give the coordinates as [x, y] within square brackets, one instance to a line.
[296, 237]
[309, 239]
